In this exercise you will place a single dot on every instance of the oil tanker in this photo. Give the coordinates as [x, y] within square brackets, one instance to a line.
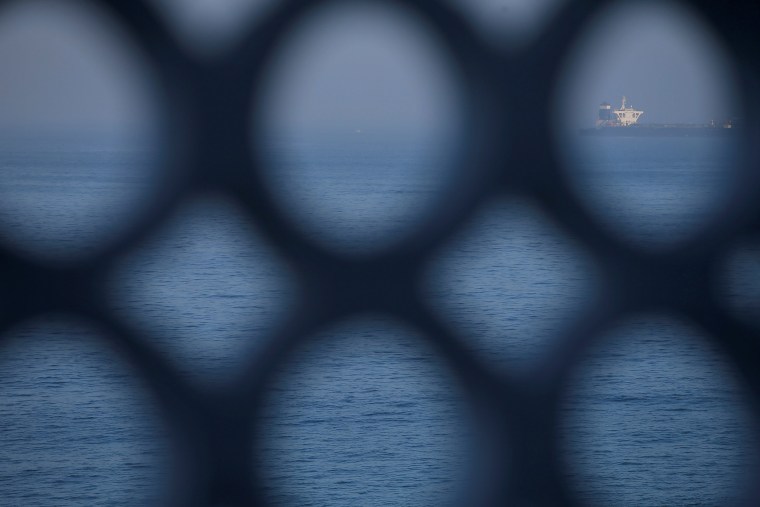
[623, 122]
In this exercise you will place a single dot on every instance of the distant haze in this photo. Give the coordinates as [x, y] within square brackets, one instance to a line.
[68, 68]
[660, 57]
[363, 68]
[64, 67]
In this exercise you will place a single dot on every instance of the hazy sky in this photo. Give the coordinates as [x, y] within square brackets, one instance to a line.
[660, 57]
[210, 23]
[67, 67]
[364, 68]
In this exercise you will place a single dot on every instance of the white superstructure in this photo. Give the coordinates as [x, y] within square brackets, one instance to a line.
[627, 115]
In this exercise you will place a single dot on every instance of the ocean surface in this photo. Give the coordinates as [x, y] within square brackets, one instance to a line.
[365, 413]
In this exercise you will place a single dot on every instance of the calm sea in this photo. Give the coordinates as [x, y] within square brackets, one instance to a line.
[365, 413]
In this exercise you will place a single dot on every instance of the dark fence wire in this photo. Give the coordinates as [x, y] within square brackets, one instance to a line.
[208, 133]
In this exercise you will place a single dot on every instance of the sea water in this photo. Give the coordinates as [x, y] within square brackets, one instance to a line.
[365, 412]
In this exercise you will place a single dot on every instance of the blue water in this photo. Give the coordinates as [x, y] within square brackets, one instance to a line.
[655, 191]
[365, 413]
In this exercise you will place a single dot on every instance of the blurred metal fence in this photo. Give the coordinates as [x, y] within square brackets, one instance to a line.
[209, 131]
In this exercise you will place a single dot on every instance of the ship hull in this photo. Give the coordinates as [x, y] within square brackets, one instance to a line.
[659, 131]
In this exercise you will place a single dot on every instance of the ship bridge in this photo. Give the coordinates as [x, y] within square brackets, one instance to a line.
[627, 116]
